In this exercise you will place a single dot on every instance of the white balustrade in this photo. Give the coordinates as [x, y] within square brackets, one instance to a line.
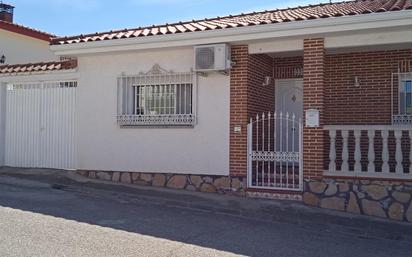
[392, 162]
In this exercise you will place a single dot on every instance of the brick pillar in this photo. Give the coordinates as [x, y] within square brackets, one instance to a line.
[313, 98]
[238, 110]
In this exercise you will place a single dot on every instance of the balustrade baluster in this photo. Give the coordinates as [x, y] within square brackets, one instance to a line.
[371, 151]
[398, 152]
[410, 152]
[345, 151]
[385, 151]
[357, 154]
[332, 151]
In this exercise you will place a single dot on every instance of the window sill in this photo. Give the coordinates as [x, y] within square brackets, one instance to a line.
[166, 120]
[402, 119]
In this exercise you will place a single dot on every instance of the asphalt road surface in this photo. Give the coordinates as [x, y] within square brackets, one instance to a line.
[39, 220]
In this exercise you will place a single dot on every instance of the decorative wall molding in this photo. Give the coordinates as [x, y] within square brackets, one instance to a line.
[288, 72]
[405, 66]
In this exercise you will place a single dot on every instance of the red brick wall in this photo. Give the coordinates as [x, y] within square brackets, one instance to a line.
[368, 104]
[346, 104]
[248, 97]
[284, 68]
[371, 102]
[313, 97]
[261, 97]
[238, 110]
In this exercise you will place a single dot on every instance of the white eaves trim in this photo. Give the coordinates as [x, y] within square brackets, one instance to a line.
[364, 39]
[39, 76]
[307, 28]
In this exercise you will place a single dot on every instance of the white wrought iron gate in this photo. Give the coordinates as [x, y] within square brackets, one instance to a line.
[275, 152]
[40, 125]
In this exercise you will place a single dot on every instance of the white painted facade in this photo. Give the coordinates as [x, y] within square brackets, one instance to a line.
[3, 87]
[24, 49]
[103, 145]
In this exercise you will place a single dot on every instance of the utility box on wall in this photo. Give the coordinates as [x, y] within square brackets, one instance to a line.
[312, 118]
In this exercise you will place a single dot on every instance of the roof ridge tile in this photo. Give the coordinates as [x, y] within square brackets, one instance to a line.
[40, 66]
[289, 14]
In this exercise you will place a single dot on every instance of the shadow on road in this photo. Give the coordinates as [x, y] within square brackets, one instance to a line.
[203, 228]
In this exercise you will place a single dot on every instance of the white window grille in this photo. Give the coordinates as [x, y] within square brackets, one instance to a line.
[157, 98]
[404, 100]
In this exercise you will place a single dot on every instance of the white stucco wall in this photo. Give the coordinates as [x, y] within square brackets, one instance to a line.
[23, 49]
[3, 87]
[103, 145]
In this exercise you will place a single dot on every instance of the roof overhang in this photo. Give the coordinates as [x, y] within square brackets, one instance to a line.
[302, 29]
[18, 29]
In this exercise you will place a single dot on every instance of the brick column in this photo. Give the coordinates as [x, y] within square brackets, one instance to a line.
[313, 98]
[248, 97]
[238, 110]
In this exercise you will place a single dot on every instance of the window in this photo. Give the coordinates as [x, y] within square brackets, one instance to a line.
[163, 99]
[404, 108]
[157, 98]
[405, 97]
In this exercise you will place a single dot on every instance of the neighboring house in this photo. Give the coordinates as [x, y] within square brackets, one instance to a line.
[311, 103]
[20, 44]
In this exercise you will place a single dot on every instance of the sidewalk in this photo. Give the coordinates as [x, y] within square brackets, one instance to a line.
[258, 209]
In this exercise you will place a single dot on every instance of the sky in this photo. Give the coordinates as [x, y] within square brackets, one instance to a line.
[73, 17]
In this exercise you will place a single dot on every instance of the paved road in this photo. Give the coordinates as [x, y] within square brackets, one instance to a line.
[39, 220]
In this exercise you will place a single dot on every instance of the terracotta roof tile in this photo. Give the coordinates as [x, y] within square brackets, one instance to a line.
[38, 67]
[357, 7]
[19, 29]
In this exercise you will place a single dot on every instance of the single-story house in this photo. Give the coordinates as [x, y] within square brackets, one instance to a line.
[310, 103]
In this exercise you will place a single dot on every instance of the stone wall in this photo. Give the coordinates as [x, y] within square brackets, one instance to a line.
[382, 199]
[201, 183]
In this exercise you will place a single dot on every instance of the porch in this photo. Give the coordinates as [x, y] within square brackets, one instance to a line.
[354, 105]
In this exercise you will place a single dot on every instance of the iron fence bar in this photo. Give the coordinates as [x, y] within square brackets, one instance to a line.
[262, 171]
[249, 152]
[269, 116]
[257, 148]
[287, 148]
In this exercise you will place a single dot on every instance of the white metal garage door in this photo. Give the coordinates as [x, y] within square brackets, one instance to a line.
[40, 125]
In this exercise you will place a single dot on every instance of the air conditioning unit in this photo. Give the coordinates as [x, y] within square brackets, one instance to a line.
[212, 57]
